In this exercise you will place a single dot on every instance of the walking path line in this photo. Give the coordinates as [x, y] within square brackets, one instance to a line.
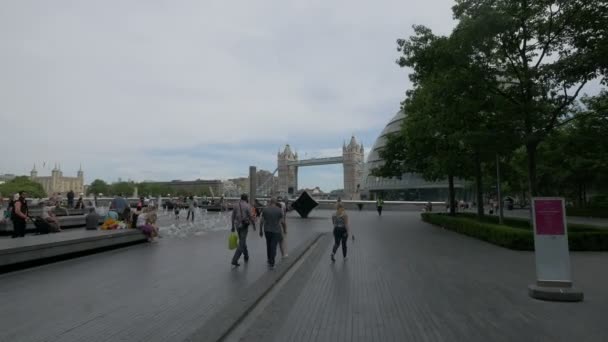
[224, 321]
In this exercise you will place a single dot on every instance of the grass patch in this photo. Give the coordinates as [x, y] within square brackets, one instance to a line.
[516, 233]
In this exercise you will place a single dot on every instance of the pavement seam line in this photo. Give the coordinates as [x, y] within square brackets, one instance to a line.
[222, 323]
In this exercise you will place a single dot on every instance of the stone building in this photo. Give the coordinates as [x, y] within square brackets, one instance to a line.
[58, 183]
[288, 175]
[353, 161]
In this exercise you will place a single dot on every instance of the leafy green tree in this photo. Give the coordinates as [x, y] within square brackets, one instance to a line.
[453, 124]
[124, 188]
[22, 183]
[537, 55]
[98, 186]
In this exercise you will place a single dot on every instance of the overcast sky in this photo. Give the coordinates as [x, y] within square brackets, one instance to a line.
[165, 90]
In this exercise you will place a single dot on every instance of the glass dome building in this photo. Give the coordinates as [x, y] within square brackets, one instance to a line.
[411, 187]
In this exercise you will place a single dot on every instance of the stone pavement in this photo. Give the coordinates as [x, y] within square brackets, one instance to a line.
[150, 292]
[406, 280]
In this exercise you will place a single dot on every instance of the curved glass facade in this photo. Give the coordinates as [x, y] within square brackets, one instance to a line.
[411, 187]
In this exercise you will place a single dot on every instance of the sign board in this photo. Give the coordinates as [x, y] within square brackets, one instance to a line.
[551, 240]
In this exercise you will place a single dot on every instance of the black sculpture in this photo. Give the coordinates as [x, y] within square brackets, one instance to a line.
[304, 204]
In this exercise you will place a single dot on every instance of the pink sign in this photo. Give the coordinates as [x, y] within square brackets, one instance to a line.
[549, 216]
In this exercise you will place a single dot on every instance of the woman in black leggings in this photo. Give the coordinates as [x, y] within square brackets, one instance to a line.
[341, 230]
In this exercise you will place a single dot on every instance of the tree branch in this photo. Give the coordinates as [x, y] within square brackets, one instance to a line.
[567, 101]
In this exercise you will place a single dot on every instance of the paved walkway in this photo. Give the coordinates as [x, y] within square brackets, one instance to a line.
[149, 292]
[406, 280]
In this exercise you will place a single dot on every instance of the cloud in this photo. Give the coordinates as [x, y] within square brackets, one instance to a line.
[184, 89]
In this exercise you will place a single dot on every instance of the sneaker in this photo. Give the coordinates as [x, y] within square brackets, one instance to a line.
[332, 258]
[235, 264]
[246, 259]
[285, 256]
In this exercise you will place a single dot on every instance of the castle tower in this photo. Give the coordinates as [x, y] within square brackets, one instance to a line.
[288, 175]
[79, 180]
[34, 173]
[353, 159]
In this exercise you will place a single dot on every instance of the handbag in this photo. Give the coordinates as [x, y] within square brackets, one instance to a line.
[233, 241]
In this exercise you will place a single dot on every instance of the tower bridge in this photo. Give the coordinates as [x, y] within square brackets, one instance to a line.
[352, 159]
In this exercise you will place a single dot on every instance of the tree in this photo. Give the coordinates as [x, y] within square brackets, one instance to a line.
[98, 186]
[22, 183]
[537, 55]
[124, 188]
[453, 124]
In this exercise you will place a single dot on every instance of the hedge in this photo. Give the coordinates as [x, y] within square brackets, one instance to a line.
[525, 223]
[516, 237]
[587, 212]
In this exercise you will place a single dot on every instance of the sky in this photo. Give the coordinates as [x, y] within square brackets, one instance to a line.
[163, 90]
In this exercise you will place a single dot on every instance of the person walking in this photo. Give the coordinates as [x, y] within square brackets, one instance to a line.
[19, 215]
[379, 204]
[341, 230]
[241, 220]
[283, 241]
[191, 205]
[271, 226]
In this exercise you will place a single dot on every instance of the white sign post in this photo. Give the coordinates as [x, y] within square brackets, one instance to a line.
[553, 274]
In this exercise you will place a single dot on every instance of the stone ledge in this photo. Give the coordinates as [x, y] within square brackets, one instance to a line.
[218, 326]
[556, 294]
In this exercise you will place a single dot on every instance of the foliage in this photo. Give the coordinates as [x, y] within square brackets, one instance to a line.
[153, 189]
[22, 183]
[580, 238]
[537, 55]
[124, 188]
[588, 211]
[98, 186]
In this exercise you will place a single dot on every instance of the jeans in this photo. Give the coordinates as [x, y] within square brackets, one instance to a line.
[242, 247]
[379, 211]
[190, 212]
[272, 240]
[340, 237]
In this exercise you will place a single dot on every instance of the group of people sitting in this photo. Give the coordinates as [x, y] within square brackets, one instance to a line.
[143, 216]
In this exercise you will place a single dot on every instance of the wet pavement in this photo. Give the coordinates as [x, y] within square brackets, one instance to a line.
[149, 292]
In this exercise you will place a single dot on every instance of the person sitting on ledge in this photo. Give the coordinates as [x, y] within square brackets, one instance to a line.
[112, 214]
[92, 219]
[150, 228]
[79, 203]
[48, 215]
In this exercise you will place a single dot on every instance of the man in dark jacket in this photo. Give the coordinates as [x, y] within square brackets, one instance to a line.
[71, 199]
[19, 215]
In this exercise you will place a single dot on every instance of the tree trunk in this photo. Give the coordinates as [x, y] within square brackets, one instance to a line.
[531, 150]
[479, 181]
[452, 195]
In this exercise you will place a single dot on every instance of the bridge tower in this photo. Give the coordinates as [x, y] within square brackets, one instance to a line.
[288, 174]
[353, 161]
